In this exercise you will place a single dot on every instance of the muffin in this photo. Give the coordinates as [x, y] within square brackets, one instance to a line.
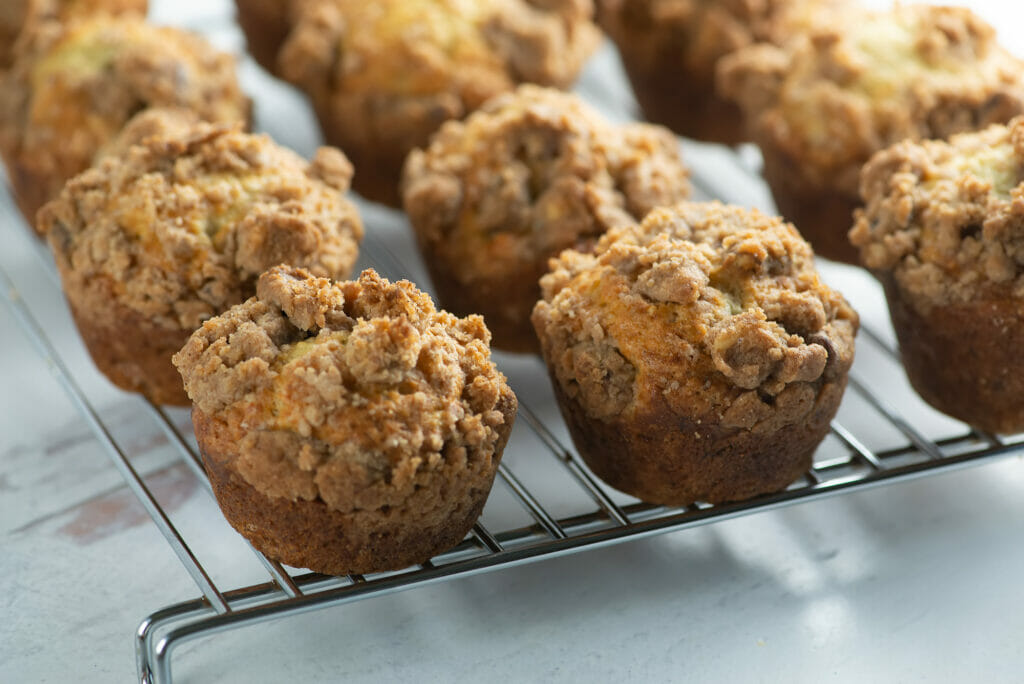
[347, 427]
[385, 75]
[696, 356]
[158, 122]
[822, 106]
[670, 49]
[16, 15]
[266, 24]
[943, 230]
[152, 243]
[73, 88]
[531, 173]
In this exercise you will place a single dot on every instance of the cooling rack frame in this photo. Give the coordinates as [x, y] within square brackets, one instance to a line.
[289, 592]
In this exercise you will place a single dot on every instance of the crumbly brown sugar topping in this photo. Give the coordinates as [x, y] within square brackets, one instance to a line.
[854, 86]
[706, 309]
[416, 47]
[19, 15]
[182, 225]
[398, 61]
[705, 30]
[347, 389]
[947, 218]
[533, 172]
[74, 86]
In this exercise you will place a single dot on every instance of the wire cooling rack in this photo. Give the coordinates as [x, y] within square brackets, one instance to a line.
[545, 502]
[850, 459]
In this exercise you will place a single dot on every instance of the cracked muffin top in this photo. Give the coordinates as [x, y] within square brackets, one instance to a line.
[347, 390]
[393, 62]
[947, 218]
[852, 87]
[73, 87]
[702, 31]
[183, 225]
[702, 310]
[531, 173]
[17, 15]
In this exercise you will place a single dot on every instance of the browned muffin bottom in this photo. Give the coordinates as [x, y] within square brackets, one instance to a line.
[531, 173]
[383, 76]
[266, 24]
[152, 243]
[347, 427]
[74, 86]
[16, 15]
[821, 106]
[670, 49]
[696, 356]
[943, 229]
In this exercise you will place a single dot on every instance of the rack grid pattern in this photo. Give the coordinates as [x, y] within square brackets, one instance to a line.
[290, 592]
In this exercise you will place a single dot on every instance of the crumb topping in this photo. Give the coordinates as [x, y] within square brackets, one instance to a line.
[531, 173]
[709, 310]
[158, 122]
[75, 86]
[181, 226]
[947, 218]
[397, 69]
[703, 31]
[19, 15]
[423, 47]
[365, 382]
[857, 85]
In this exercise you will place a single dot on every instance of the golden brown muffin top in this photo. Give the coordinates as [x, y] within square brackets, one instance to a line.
[855, 86]
[702, 310]
[534, 172]
[947, 218]
[183, 225]
[158, 122]
[364, 380]
[73, 88]
[445, 55]
[16, 15]
[702, 31]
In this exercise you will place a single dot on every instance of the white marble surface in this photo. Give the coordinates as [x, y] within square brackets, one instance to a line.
[912, 582]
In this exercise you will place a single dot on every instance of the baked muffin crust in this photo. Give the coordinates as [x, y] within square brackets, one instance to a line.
[74, 87]
[821, 107]
[385, 75]
[179, 228]
[358, 398]
[266, 24]
[943, 229]
[947, 218]
[697, 336]
[670, 49]
[531, 173]
[16, 15]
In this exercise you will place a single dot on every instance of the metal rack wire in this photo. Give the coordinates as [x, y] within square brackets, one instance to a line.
[850, 465]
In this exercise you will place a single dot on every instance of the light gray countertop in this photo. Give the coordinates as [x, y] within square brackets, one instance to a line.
[914, 581]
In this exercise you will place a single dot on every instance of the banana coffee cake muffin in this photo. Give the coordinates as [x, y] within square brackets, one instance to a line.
[347, 427]
[820, 107]
[74, 86]
[530, 174]
[670, 49]
[152, 243]
[696, 356]
[266, 24]
[385, 75]
[943, 230]
[17, 15]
